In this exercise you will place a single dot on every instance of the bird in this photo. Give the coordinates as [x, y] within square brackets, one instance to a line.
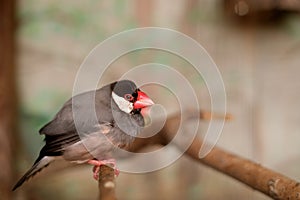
[118, 121]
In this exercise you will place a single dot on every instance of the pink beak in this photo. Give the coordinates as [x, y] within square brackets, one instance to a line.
[142, 101]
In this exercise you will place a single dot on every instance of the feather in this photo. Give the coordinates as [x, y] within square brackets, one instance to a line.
[39, 164]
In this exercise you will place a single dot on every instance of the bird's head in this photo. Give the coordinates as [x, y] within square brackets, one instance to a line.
[128, 97]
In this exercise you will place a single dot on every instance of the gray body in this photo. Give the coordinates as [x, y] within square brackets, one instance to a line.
[98, 138]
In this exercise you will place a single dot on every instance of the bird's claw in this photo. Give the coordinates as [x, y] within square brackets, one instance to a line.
[98, 163]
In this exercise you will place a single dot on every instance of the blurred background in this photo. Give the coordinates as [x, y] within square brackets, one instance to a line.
[255, 44]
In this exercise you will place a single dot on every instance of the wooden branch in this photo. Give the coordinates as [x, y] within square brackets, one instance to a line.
[269, 182]
[248, 172]
[106, 183]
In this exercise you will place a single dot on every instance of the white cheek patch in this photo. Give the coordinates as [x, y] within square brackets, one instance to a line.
[123, 104]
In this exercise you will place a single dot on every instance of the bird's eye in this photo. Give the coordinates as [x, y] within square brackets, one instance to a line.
[128, 97]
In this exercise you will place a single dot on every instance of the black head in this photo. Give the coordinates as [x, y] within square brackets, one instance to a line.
[125, 89]
[128, 97]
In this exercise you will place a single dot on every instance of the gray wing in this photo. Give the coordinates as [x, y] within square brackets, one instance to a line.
[63, 121]
[57, 145]
[62, 132]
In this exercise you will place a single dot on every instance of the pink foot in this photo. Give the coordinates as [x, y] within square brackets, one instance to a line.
[98, 163]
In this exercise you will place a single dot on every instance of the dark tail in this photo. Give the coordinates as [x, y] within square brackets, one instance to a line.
[39, 164]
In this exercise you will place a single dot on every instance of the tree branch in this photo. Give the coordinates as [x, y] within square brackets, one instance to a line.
[269, 182]
[106, 183]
